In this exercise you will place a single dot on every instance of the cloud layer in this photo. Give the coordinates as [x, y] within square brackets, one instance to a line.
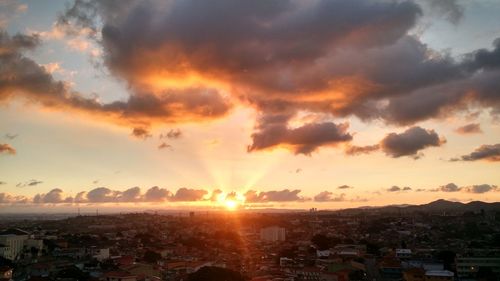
[332, 59]
[155, 194]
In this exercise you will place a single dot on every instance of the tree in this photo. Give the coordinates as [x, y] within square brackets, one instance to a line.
[73, 272]
[485, 274]
[152, 257]
[288, 252]
[357, 275]
[321, 242]
[34, 251]
[372, 248]
[448, 258]
[212, 273]
[471, 230]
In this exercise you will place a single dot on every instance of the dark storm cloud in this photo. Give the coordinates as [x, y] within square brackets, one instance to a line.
[285, 195]
[272, 131]
[357, 150]
[182, 62]
[410, 142]
[12, 44]
[479, 82]
[481, 188]
[345, 187]
[22, 77]
[451, 9]
[292, 40]
[484, 59]
[188, 195]
[473, 128]
[275, 32]
[484, 152]
[327, 196]
[7, 149]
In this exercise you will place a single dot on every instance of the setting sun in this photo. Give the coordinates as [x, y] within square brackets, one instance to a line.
[250, 140]
[231, 204]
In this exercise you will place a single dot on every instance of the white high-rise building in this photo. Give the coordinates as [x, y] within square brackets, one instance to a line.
[12, 241]
[272, 234]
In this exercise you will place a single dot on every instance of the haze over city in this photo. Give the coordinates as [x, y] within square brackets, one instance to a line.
[228, 104]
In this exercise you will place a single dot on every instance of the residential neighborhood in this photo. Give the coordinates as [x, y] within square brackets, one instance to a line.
[350, 245]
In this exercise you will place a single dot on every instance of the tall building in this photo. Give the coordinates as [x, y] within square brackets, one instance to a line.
[272, 234]
[12, 243]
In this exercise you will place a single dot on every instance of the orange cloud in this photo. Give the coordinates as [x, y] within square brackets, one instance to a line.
[183, 63]
[7, 149]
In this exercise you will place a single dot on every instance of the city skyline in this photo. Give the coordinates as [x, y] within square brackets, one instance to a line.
[294, 105]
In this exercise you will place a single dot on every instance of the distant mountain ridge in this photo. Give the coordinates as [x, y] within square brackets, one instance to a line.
[440, 205]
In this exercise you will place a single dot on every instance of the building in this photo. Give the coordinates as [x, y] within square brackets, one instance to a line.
[420, 274]
[99, 253]
[272, 234]
[469, 266]
[13, 242]
[403, 253]
[439, 275]
[414, 274]
[390, 269]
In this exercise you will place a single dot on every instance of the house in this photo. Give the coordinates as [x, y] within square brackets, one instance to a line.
[99, 253]
[414, 274]
[119, 276]
[390, 269]
[403, 253]
[439, 275]
[143, 271]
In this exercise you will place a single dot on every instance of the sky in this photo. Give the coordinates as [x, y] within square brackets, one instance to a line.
[251, 104]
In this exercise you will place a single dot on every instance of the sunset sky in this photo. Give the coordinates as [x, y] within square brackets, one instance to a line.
[272, 103]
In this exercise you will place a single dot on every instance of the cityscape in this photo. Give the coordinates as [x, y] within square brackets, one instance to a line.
[438, 241]
[249, 140]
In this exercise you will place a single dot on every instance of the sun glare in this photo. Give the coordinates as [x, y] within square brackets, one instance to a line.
[231, 205]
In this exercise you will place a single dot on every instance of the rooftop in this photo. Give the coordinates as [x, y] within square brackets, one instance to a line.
[443, 273]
